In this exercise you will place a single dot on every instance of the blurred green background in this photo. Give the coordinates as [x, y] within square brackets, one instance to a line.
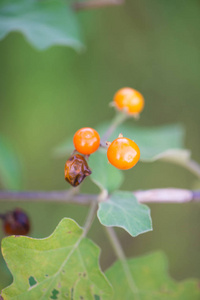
[152, 46]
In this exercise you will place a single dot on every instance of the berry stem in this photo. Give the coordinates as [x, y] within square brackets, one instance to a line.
[118, 119]
[191, 166]
[122, 257]
[90, 218]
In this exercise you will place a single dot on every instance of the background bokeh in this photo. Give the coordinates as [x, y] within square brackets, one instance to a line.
[152, 46]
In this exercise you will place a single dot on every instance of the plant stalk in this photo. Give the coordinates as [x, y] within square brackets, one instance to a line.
[121, 256]
[119, 119]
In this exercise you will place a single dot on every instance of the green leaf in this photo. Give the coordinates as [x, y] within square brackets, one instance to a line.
[44, 23]
[155, 143]
[122, 209]
[162, 142]
[150, 274]
[103, 174]
[10, 169]
[62, 266]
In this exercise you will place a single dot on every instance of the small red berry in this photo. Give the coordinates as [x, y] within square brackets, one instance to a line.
[16, 222]
[76, 169]
[86, 140]
[130, 100]
[123, 153]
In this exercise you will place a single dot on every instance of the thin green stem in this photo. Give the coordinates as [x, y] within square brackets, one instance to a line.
[90, 218]
[191, 166]
[121, 256]
[119, 119]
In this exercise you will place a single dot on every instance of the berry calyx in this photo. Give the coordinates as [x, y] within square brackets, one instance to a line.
[86, 140]
[76, 169]
[129, 100]
[123, 153]
[16, 222]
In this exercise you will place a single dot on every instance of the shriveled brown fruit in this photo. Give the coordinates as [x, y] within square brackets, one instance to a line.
[76, 169]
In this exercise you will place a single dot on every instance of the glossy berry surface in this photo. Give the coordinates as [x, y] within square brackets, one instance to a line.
[16, 223]
[76, 169]
[86, 140]
[123, 153]
[130, 100]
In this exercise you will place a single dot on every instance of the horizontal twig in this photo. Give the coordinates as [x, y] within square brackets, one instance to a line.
[169, 195]
[53, 196]
[95, 4]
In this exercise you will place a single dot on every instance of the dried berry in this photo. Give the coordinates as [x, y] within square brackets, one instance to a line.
[16, 222]
[76, 169]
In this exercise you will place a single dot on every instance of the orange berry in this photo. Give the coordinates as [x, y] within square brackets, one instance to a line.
[86, 140]
[123, 153]
[129, 99]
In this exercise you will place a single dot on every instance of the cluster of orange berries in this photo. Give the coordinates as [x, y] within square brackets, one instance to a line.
[122, 153]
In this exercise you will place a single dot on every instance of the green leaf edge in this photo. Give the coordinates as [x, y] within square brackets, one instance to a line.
[149, 214]
[79, 229]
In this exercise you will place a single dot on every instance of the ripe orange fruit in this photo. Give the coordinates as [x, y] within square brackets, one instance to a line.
[123, 153]
[130, 100]
[86, 140]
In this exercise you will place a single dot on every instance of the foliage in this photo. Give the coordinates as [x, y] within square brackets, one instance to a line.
[151, 278]
[65, 265]
[122, 209]
[44, 23]
[156, 143]
[62, 266]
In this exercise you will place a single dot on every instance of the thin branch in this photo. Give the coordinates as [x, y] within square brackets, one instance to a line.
[191, 166]
[95, 4]
[169, 195]
[53, 196]
[119, 119]
[122, 257]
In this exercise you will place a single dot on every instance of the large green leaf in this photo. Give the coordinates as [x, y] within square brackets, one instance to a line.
[150, 274]
[162, 142]
[62, 266]
[103, 173]
[44, 23]
[122, 209]
[10, 169]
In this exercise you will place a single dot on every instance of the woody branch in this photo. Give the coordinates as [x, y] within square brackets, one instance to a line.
[168, 195]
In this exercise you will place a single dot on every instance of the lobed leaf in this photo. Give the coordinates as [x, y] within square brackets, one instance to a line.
[122, 209]
[150, 274]
[10, 169]
[44, 23]
[62, 266]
